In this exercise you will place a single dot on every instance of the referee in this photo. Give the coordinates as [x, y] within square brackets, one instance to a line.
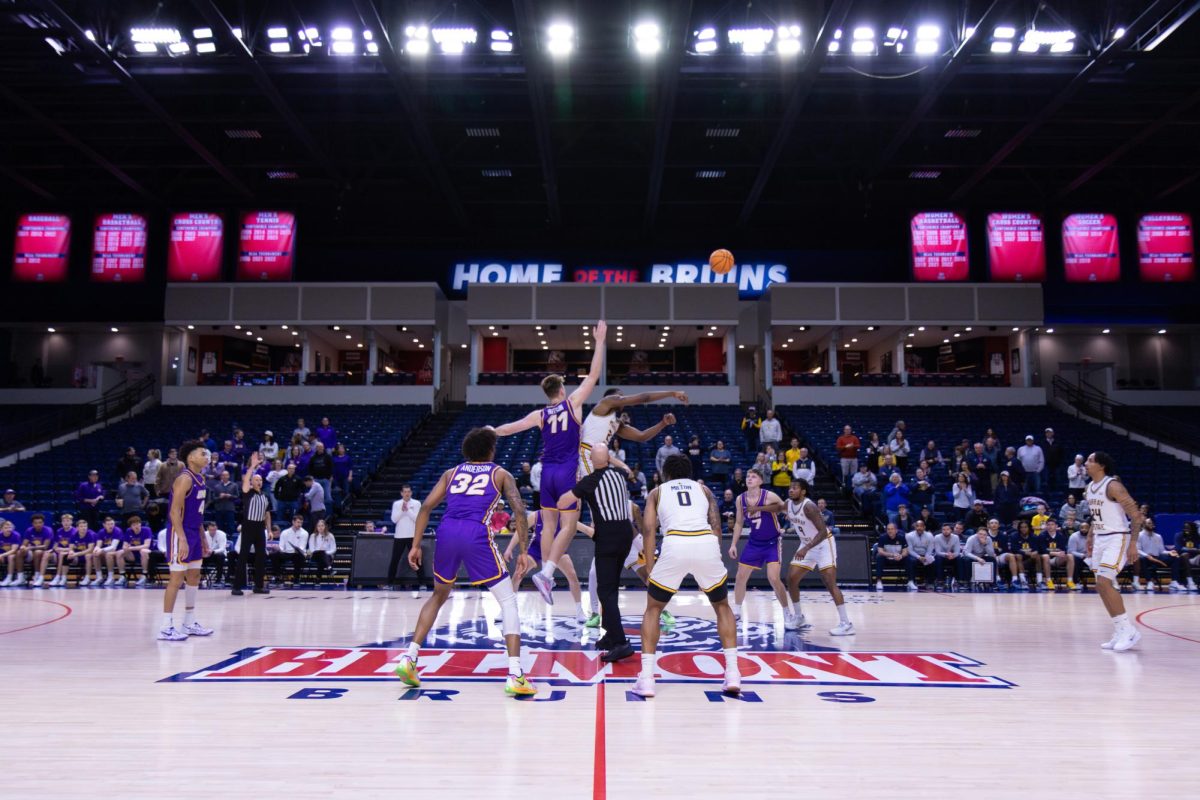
[256, 520]
[605, 492]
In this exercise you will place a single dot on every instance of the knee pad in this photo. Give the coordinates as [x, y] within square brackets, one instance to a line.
[510, 616]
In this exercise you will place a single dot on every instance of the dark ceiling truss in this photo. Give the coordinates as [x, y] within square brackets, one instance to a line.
[532, 55]
[678, 31]
[27, 184]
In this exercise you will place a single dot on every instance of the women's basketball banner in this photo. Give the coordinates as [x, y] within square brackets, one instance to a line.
[119, 248]
[194, 253]
[1091, 248]
[939, 247]
[41, 248]
[1165, 249]
[1016, 247]
[266, 248]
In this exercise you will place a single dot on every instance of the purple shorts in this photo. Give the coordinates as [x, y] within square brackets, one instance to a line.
[195, 550]
[557, 480]
[758, 554]
[535, 548]
[463, 542]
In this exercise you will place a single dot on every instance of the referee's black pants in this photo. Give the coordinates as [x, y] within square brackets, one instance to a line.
[254, 537]
[400, 548]
[613, 540]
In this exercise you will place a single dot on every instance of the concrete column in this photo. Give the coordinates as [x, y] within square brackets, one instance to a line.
[731, 357]
[372, 356]
[305, 356]
[437, 359]
[1026, 361]
[181, 370]
[835, 341]
[898, 360]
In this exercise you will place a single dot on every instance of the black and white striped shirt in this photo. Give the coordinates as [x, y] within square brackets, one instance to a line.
[255, 506]
[606, 492]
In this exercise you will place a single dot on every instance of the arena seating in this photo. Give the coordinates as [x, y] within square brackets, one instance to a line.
[632, 379]
[1161, 480]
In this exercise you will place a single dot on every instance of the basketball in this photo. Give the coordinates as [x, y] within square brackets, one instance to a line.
[721, 261]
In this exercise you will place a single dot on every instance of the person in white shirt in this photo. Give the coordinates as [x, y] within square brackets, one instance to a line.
[293, 547]
[770, 434]
[404, 518]
[535, 480]
[1077, 477]
[269, 447]
[218, 546]
[150, 469]
[322, 547]
[1152, 557]
[920, 555]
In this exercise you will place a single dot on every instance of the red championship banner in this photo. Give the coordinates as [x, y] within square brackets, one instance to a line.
[41, 248]
[1091, 248]
[266, 246]
[194, 253]
[119, 248]
[939, 247]
[1165, 249]
[1016, 247]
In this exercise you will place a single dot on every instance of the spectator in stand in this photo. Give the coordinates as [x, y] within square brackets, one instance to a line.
[293, 545]
[314, 497]
[993, 451]
[920, 555]
[212, 471]
[1057, 554]
[1077, 548]
[931, 453]
[131, 496]
[865, 486]
[217, 542]
[150, 471]
[762, 465]
[326, 434]
[900, 448]
[1186, 551]
[895, 494]
[637, 482]
[1025, 550]
[667, 450]
[905, 519]
[1153, 556]
[10, 502]
[1033, 459]
[269, 448]
[978, 549]
[1077, 477]
[750, 425]
[976, 517]
[167, 473]
[1052, 449]
[781, 476]
[129, 461]
[847, 448]
[136, 549]
[1039, 518]
[899, 427]
[874, 452]
[320, 468]
[932, 523]
[154, 515]
[920, 492]
[770, 432]
[827, 515]
[1007, 501]
[229, 460]
[947, 547]
[322, 547]
[982, 470]
[287, 492]
[535, 480]
[404, 521]
[88, 496]
[271, 478]
[720, 459]
[210, 443]
[887, 468]
[964, 498]
[803, 466]
[1011, 464]
[792, 454]
[891, 548]
[1070, 523]
[222, 498]
[728, 509]
[1073, 506]
[241, 447]
[523, 484]
[695, 454]
[301, 430]
[738, 482]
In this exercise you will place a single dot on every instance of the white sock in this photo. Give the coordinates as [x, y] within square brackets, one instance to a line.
[842, 614]
[649, 662]
[731, 655]
[593, 599]
[790, 608]
[1039, 577]
[1121, 621]
[168, 621]
[413, 649]
[548, 569]
[579, 609]
[514, 666]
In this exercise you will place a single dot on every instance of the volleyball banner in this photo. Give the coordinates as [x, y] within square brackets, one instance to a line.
[1165, 249]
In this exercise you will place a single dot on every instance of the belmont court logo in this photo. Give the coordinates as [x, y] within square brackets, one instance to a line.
[689, 652]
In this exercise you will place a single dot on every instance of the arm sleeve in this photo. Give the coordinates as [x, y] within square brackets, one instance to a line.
[586, 486]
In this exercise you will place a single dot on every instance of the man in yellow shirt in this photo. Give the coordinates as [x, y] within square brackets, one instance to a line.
[793, 453]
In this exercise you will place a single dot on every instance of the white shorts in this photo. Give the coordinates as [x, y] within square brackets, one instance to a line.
[184, 567]
[698, 556]
[821, 557]
[1109, 553]
[585, 467]
[635, 557]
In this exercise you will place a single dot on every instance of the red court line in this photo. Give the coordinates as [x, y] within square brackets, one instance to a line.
[1138, 619]
[40, 624]
[599, 780]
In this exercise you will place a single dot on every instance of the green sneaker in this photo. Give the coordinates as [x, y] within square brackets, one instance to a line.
[406, 671]
[665, 618]
[593, 621]
[519, 686]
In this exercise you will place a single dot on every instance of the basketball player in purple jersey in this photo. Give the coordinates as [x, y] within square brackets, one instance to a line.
[560, 423]
[534, 520]
[473, 491]
[186, 549]
[756, 509]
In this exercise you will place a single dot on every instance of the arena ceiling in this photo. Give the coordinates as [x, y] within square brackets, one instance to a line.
[426, 121]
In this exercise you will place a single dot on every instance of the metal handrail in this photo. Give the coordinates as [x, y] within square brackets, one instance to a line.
[113, 402]
[1090, 400]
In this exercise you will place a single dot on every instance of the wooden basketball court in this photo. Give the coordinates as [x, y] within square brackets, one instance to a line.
[293, 697]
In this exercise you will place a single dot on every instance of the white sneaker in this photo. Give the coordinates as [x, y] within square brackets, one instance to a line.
[1191, 584]
[111, 579]
[121, 581]
[86, 581]
[737, 611]
[1109, 644]
[1175, 587]
[20, 581]
[1128, 639]
[196, 629]
[733, 682]
[1150, 587]
[141, 581]
[38, 580]
[912, 587]
[791, 622]
[879, 586]
[582, 617]
[416, 594]
[172, 634]
[545, 587]
[1135, 586]
[644, 686]
[843, 629]
[8, 581]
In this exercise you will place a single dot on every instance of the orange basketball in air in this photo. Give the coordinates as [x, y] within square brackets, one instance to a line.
[721, 261]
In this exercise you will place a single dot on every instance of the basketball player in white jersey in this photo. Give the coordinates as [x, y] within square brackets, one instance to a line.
[817, 551]
[603, 423]
[1110, 543]
[687, 513]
